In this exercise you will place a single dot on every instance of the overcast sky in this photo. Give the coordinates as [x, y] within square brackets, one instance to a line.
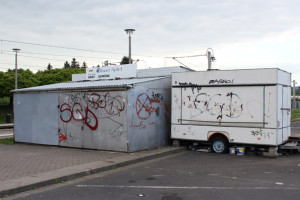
[242, 33]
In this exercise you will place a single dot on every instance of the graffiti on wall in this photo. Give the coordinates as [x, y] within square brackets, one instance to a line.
[217, 105]
[210, 103]
[147, 105]
[62, 137]
[191, 85]
[261, 133]
[221, 81]
[90, 109]
[112, 105]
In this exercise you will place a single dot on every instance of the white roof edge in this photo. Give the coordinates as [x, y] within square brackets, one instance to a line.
[86, 85]
[271, 68]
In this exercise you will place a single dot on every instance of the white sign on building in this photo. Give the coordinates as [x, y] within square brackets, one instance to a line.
[111, 72]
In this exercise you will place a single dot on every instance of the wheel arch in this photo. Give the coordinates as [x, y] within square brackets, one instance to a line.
[213, 134]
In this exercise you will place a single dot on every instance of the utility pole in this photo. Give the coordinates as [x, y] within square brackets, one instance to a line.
[294, 94]
[16, 67]
[129, 32]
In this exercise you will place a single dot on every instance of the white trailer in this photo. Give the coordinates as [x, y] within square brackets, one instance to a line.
[249, 106]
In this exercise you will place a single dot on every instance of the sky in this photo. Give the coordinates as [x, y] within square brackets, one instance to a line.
[242, 33]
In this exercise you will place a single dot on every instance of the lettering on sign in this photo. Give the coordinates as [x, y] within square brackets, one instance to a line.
[112, 72]
[221, 81]
[104, 75]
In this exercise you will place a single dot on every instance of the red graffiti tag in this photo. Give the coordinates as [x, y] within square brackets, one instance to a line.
[88, 113]
[80, 108]
[144, 106]
[166, 108]
[62, 137]
[78, 112]
[67, 114]
[166, 113]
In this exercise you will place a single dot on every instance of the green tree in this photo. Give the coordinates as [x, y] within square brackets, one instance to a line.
[49, 67]
[27, 78]
[125, 60]
[57, 75]
[7, 82]
[84, 65]
[67, 65]
[74, 63]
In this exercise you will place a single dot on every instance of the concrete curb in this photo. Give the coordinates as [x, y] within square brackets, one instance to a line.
[78, 173]
[5, 126]
[295, 120]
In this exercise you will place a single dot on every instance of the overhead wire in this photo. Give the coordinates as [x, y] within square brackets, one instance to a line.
[35, 57]
[187, 56]
[23, 66]
[60, 47]
[81, 49]
[69, 48]
[59, 55]
[32, 57]
[176, 59]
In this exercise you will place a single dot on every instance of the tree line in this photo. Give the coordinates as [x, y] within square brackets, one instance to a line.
[27, 78]
[75, 63]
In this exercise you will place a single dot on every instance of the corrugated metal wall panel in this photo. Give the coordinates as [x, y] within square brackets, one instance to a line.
[36, 118]
[149, 115]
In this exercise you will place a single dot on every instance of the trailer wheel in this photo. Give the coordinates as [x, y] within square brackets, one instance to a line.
[219, 145]
[295, 150]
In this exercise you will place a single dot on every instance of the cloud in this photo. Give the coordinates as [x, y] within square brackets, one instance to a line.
[249, 32]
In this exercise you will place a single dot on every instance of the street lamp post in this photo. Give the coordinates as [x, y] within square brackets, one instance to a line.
[16, 67]
[129, 32]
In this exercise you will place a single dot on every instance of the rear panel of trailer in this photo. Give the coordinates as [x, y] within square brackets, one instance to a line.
[247, 106]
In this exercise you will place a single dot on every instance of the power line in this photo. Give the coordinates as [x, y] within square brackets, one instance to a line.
[79, 49]
[60, 47]
[34, 57]
[51, 59]
[60, 55]
[22, 65]
[48, 59]
[175, 58]
[69, 48]
[187, 56]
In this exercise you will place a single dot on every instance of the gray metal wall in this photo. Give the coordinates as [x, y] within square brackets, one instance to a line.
[128, 120]
[36, 118]
[149, 114]
[95, 120]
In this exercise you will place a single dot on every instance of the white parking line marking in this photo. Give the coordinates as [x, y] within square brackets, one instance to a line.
[187, 188]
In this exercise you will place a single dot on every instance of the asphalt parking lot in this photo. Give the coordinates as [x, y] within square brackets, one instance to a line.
[187, 175]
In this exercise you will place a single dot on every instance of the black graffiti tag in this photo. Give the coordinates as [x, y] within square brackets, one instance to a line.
[220, 81]
[193, 86]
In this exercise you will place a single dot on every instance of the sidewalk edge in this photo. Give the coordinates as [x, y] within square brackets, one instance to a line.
[87, 172]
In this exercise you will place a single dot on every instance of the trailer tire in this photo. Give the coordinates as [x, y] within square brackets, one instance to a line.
[219, 145]
[295, 150]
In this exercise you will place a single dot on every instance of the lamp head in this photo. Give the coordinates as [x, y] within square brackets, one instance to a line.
[16, 50]
[129, 31]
